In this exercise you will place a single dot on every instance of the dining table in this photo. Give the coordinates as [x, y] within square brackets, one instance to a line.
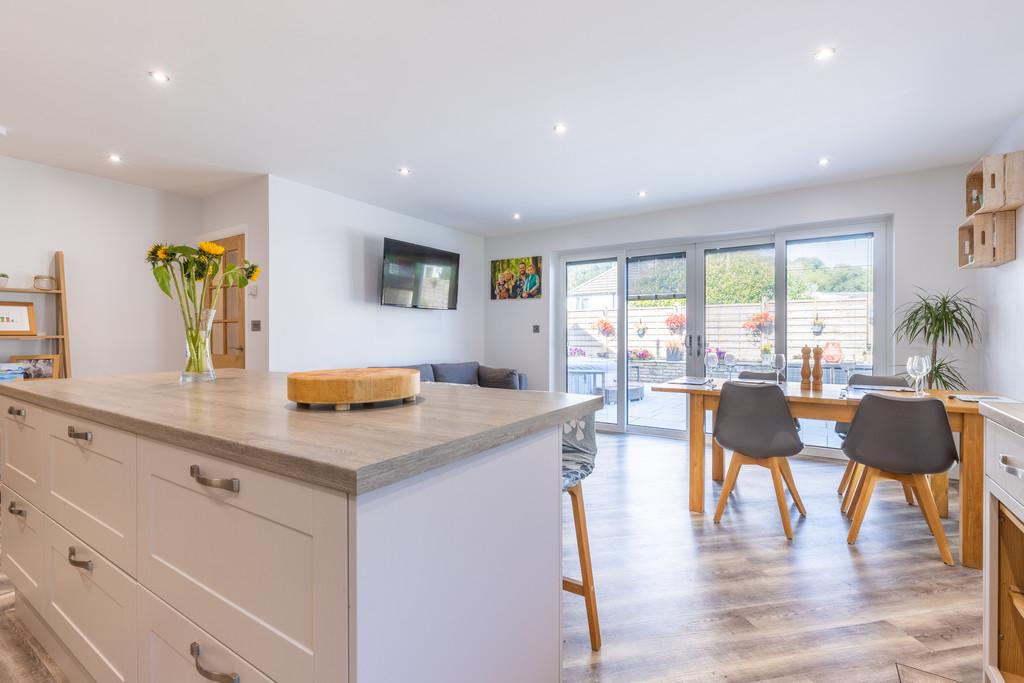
[837, 402]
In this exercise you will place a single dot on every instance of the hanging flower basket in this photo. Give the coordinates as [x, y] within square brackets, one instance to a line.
[605, 328]
[760, 325]
[676, 323]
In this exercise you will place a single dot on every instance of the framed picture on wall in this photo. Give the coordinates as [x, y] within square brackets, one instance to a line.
[39, 367]
[516, 278]
[17, 318]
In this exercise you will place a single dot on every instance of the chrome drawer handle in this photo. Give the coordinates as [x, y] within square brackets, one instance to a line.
[16, 412]
[81, 564]
[226, 484]
[15, 510]
[206, 673]
[1004, 462]
[84, 436]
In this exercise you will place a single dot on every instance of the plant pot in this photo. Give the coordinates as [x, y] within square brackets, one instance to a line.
[673, 355]
[198, 356]
[3, 282]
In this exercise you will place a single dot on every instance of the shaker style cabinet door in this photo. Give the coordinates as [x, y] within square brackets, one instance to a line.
[24, 462]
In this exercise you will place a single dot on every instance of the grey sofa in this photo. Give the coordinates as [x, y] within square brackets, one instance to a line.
[471, 373]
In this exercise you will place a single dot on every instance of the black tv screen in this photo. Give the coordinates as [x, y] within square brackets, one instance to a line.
[419, 277]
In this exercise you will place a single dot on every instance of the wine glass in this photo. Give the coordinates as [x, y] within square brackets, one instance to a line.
[730, 363]
[918, 367]
[710, 363]
[779, 365]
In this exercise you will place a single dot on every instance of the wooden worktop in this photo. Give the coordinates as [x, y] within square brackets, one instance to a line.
[1009, 415]
[245, 416]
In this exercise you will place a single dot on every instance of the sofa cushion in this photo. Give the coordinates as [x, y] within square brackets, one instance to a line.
[498, 378]
[457, 373]
[426, 371]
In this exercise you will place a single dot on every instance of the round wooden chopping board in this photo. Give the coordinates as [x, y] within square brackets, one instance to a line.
[342, 388]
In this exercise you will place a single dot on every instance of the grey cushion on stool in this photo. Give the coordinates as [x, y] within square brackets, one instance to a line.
[901, 435]
[842, 428]
[579, 449]
[754, 420]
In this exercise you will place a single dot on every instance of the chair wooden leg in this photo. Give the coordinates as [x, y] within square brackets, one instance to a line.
[907, 493]
[857, 484]
[780, 495]
[787, 474]
[867, 487]
[730, 482]
[586, 586]
[851, 487]
[931, 514]
[847, 475]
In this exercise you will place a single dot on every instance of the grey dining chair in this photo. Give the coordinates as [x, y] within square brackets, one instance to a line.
[579, 453]
[771, 376]
[754, 422]
[902, 439]
[853, 473]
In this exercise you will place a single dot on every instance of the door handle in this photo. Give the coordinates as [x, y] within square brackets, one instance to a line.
[1004, 462]
[81, 564]
[237, 348]
[16, 412]
[15, 510]
[689, 345]
[227, 484]
[84, 436]
[700, 347]
[206, 673]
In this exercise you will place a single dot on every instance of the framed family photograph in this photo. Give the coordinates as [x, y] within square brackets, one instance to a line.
[17, 318]
[516, 278]
[39, 367]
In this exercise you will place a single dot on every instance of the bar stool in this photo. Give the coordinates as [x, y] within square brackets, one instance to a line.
[901, 439]
[579, 452]
[754, 422]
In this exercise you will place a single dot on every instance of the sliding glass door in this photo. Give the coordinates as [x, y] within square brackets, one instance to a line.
[592, 328]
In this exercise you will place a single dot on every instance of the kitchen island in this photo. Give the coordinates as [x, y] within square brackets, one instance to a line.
[214, 531]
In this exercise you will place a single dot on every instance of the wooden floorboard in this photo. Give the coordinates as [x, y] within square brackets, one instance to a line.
[683, 599]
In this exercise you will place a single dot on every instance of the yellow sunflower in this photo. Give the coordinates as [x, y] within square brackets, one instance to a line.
[211, 248]
[255, 274]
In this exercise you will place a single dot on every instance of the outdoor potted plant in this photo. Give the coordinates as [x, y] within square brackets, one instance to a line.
[676, 323]
[607, 330]
[944, 319]
[760, 324]
[673, 351]
[3, 279]
[766, 354]
[641, 329]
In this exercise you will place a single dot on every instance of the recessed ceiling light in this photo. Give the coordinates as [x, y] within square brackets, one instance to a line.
[516, 216]
[560, 129]
[824, 161]
[114, 158]
[160, 76]
[642, 194]
[824, 54]
[405, 170]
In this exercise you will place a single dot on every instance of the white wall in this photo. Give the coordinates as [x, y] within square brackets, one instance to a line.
[924, 207]
[244, 210]
[1001, 291]
[325, 301]
[119, 320]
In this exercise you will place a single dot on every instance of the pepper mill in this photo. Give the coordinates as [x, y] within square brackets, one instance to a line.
[805, 369]
[817, 372]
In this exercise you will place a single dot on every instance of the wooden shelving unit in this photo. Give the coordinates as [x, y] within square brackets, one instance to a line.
[993, 191]
[62, 334]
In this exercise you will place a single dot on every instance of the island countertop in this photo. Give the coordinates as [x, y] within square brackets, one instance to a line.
[1009, 415]
[245, 416]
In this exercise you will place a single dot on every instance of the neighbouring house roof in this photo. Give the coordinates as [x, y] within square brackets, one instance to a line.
[605, 283]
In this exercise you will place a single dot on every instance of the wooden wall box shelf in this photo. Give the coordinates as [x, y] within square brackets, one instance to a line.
[62, 337]
[346, 387]
[989, 239]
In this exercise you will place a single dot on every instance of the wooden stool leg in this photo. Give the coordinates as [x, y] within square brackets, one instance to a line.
[579, 516]
[847, 475]
[931, 515]
[867, 487]
[730, 482]
[908, 493]
[780, 495]
[787, 474]
[851, 487]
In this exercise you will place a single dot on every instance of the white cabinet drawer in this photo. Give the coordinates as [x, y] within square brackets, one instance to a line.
[91, 485]
[24, 464]
[91, 609]
[166, 655]
[1004, 458]
[24, 545]
[261, 569]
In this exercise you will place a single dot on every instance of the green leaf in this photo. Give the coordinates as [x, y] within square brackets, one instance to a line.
[163, 279]
[185, 251]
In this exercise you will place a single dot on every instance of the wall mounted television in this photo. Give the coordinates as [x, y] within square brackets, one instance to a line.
[415, 276]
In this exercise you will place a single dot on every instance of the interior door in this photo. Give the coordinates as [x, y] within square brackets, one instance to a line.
[228, 334]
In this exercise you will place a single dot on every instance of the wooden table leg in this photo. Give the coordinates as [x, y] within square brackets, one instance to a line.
[940, 492]
[972, 450]
[696, 434]
[717, 455]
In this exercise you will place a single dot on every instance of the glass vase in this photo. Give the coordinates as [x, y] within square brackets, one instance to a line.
[198, 357]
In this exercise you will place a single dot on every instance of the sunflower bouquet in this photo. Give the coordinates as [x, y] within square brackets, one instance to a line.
[195, 276]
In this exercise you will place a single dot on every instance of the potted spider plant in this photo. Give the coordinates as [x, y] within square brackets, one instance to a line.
[941, 320]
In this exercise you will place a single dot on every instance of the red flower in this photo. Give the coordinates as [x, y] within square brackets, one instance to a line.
[605, 328]
[675, 322]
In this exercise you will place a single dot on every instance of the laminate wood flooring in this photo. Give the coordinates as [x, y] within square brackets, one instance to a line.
[682, 599]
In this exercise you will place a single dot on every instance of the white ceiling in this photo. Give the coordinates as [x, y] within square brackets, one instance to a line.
[689, 100]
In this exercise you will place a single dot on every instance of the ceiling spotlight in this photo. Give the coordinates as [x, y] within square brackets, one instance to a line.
[114, 158]
[642, 194]
[159, 77]
[405, 170]
[824, 54]
[560, 129]
[824, 161]
[516, 216]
